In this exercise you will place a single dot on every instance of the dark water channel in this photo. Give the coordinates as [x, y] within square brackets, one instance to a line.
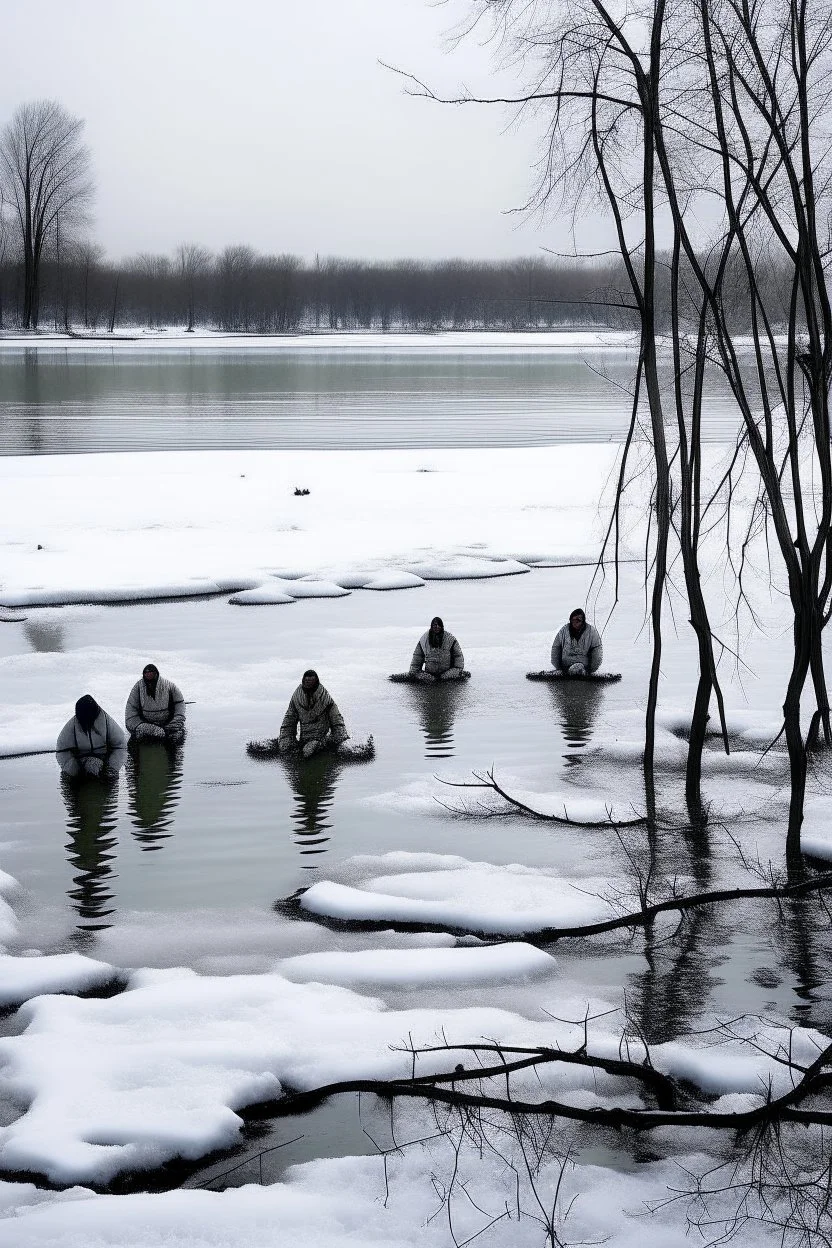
[59, 398]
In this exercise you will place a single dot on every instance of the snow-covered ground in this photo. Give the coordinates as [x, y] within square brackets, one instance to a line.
[126, 527]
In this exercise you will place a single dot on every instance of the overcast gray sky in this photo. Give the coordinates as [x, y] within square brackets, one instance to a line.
[270, 122]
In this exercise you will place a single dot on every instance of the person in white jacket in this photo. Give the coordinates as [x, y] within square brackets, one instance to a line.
[577, 649]
[91, 743]
[155, 708]
[438, 654]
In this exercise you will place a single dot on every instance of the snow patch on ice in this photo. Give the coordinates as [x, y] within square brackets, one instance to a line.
[464, 568]
[398, 968]
[264, 595]
[478, 897]
[23, 978]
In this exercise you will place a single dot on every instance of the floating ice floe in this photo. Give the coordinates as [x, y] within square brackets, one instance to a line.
[24, 978]
[469, 896]
[409, 968]
[310, 587]
[465, 568]
[393, 580]
[19, 744]
[269, 594]
[69, 595]
[816, 832]
[8, 918]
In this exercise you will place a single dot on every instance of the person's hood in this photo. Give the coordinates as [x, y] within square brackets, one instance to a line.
[87, 711]
[151, 684]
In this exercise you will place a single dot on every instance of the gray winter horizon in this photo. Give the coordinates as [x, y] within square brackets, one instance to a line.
[278, 126]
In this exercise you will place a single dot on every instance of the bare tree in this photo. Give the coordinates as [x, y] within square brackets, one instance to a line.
[192, 263]
[45, 172]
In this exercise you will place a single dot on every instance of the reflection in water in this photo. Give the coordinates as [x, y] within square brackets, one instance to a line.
[33, 430]
[154, 779]
[313, 782]
[804, 930]
[577, 703]
[44, 636]
[91, 823]
[436, 706]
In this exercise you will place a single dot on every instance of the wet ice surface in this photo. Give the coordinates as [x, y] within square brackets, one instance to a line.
[183, 862]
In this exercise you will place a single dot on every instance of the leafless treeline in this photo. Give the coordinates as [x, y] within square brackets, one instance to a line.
[239, 290]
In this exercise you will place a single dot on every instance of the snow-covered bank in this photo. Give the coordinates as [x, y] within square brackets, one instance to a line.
[449, 340]
[127, 527]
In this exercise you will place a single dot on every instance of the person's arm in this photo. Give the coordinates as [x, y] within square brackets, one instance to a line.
[177, 719]
[596, 650]
[417, 662]
[115, 734]
[65, 750]
[133, 710]
[289, 728]
[457, 657]
[557, 651]
[336, 724]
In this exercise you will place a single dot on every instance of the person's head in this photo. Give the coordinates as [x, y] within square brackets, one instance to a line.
[150, 675]
[577, 620]
[309, 681]
[87, 711]
[437, 630]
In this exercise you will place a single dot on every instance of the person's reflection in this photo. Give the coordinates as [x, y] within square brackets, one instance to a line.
[91, 823]
[154, 780]
[577, 703]
[436, 707]
[313, 783]
[44, 636]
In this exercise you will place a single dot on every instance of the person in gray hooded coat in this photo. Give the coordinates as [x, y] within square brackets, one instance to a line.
[91, 743]
[438, 654]
[155, 708]
[313, 710]
[577, 649]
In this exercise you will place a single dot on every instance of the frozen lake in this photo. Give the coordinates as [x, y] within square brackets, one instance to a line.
[443, 390]
[188, 861]
[184, 863]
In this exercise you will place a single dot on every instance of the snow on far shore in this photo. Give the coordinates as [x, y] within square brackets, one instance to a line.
[202, 339]
[121, 527]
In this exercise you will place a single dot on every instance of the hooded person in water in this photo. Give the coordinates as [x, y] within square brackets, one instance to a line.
[155, 708]
[438, 654]
[91, 743]
[311, 710]
[577, 649]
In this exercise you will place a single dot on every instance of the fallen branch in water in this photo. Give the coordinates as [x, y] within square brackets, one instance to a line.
[488, 781]
[674, 1106]
[643, 917]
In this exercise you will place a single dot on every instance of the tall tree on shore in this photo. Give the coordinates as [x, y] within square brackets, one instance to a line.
[45, 174]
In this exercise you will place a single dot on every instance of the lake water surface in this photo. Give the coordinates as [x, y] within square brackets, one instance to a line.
[101, 397]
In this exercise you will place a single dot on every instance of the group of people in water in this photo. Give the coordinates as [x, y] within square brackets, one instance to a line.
[93, 744]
